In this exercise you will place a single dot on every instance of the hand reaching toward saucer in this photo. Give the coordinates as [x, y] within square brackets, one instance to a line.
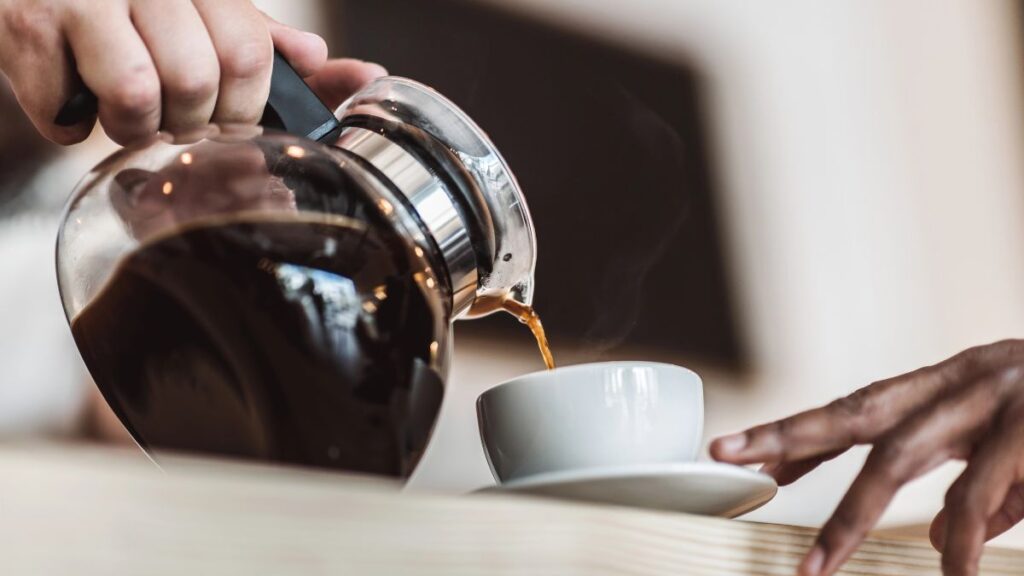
[970, 407]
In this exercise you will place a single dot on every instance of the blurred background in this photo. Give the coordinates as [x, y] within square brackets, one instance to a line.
[792, 198]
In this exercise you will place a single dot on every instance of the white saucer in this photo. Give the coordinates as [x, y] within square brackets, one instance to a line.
[705, 488]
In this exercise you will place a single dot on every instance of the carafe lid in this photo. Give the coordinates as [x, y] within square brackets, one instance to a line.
[489, 200]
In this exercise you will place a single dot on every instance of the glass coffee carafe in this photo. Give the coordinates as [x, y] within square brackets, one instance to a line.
[287, 294]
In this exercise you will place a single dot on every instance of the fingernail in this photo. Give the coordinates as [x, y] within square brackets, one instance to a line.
[813, 563]
[733, 443]
[769, 469]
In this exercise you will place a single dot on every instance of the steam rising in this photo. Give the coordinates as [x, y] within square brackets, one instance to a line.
[618, 296]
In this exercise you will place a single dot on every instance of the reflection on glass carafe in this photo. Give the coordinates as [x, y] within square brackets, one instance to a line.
[256, 294]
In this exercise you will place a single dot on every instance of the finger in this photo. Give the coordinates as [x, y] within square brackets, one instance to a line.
[305, 51]
[115, 64]
[785, 473]
[862, 417]
[185, 59]
[859, 510]
[1010, 513]
[246, 54]
[37, 41]
[917, 446]
[341, 78]
[976, 497]
[964, 543]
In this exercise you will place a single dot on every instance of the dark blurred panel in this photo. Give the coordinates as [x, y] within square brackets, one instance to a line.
[22, 149]
[613, 156]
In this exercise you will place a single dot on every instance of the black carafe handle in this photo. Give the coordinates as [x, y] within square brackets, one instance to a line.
[292, 106]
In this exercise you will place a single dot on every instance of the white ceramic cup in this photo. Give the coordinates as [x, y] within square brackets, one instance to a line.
[591, 416]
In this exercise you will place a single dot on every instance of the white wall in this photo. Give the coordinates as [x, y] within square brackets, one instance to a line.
[302, 14]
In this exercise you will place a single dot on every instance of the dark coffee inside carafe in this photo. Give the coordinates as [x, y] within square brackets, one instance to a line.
[306, 341]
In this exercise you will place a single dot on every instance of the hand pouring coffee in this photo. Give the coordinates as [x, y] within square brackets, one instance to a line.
[255, 293]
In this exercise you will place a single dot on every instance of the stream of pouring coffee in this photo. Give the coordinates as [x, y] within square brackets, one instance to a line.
[527, 315]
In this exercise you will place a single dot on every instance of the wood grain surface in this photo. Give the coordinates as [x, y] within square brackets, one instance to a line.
[95, 512]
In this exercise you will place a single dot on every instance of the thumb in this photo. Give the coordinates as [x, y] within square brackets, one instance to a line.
[1009, 515]
[305, 51]
[341, 78]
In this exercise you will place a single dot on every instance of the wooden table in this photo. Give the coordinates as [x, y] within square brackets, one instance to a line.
[94, 512]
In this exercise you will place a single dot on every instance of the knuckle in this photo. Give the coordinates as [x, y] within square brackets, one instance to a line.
[1009, 375]
[32, 22]
[782, 428]
[192, 87]
[77, 9]
[852, 405]
[249, 59]
[137, 94]
[976, 357]
[852, 413]
[1007, 346]
[1004, 352]
[971, 357]
[775, 434]
[979, 358]
[844, 525]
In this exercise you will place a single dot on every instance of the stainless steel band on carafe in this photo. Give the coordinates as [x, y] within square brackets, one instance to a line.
[431, 202]
[456, 182]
